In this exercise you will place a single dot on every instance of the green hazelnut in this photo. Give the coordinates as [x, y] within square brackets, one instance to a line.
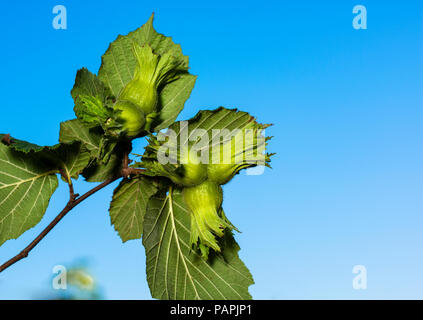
[204, 202]
[131, 117]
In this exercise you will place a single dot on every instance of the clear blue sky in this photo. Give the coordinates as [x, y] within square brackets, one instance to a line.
[347, 183]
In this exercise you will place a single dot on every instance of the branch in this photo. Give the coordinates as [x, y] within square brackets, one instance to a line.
[6, 139]
[74, 200]
[126, 170]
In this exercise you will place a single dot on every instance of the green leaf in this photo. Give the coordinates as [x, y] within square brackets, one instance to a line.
[220, 118]
[98, 172]
[174, 271]
[219, 130]
[87, 83]
[91, 110]
[129, 205]
[91, 98]
[172, 99]
[119, 62]
[26, 186]
[75, 130]
[71, 157]
[21, 145]
[93, 141]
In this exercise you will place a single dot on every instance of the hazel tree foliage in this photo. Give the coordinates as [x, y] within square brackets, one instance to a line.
[170, 194]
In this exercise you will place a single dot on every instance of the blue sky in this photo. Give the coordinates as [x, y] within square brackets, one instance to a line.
[347, 181]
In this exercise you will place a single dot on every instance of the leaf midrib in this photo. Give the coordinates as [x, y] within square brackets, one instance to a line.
[17, 183]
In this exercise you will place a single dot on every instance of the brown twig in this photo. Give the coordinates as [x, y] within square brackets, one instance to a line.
[74, 200]
[126, 170]
[7, 139]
